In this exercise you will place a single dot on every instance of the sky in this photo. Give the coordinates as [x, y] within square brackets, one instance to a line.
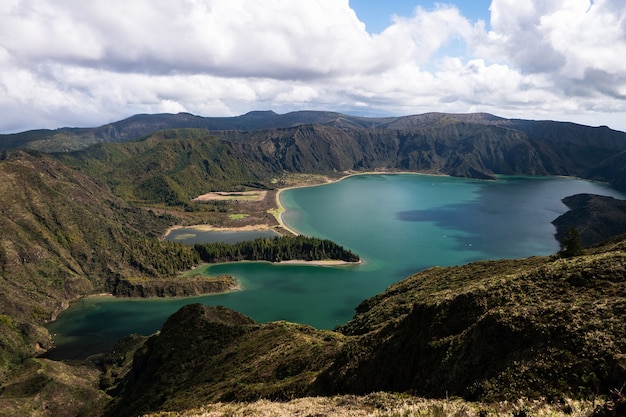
[88, 63]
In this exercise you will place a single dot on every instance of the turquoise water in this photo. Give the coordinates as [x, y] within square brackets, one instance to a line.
[190, 235]
[398, 224]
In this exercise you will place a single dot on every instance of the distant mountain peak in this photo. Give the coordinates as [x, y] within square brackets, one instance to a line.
[260, 113]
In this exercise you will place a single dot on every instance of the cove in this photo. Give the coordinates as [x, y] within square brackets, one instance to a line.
[398, 224]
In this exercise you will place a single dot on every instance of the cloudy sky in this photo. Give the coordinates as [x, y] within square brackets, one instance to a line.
[88, 63]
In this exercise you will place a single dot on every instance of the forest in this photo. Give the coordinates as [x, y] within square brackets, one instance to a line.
[282, 248]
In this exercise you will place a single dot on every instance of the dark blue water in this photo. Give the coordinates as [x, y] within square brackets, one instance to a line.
[398, 224]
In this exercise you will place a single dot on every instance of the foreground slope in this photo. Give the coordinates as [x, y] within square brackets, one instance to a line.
[493, 330]
[207, 354]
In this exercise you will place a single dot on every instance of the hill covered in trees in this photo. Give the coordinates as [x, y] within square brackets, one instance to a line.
[257, 144]
[284, 248]
[64, 235]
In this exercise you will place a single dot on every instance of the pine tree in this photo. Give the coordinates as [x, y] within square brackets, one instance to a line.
[571, 245]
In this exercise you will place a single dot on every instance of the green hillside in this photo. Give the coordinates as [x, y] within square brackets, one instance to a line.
[467, 145]
[542, 327]
[169, 167]
[88, 218]
[65, 236]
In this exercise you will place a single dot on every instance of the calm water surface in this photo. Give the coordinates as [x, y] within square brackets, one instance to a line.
[190, 235]
[398, 224]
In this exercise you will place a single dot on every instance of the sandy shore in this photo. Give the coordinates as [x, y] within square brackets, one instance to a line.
[223, 195]
[248, 228]
[327, 262]
[280, 209]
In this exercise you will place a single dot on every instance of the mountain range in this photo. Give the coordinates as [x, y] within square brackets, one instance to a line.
[467, 145]
[82, 211]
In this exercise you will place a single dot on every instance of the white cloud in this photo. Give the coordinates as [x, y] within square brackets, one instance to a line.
[71, 62]
[564, 37]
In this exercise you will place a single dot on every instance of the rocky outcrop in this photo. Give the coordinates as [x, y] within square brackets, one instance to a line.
[206, 354]
[174, 287]
[597, 218]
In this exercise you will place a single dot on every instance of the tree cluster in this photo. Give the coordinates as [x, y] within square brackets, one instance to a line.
[571, 245]
[157, 258]
[283, 248]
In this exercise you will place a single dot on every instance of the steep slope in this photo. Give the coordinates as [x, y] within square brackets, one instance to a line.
[174, 166]
[491, 330]
[468, 145]
[169, 167]
[63, 236]
[206, 354]
[541, 327]
[611, 170]
[454, 147]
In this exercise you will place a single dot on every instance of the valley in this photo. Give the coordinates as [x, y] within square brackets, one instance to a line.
[84, 212]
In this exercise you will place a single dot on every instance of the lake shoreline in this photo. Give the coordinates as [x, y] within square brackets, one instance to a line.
[396, 237]
[279, 209]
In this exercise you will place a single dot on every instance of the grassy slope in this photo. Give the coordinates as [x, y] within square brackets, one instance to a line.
[64, 236]
[205, 354]
[42, 387]
[499, 330]
[492, 330]
[169, 167]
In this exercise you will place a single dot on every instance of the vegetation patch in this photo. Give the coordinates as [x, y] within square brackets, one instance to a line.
[41, 387]
[385, 405]
[88, 221]
[282, 248]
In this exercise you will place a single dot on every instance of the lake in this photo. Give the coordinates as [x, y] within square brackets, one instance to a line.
[398, 224]
[191, 235]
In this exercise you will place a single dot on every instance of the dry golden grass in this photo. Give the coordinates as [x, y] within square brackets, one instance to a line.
[383, 405]
[231, 196]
